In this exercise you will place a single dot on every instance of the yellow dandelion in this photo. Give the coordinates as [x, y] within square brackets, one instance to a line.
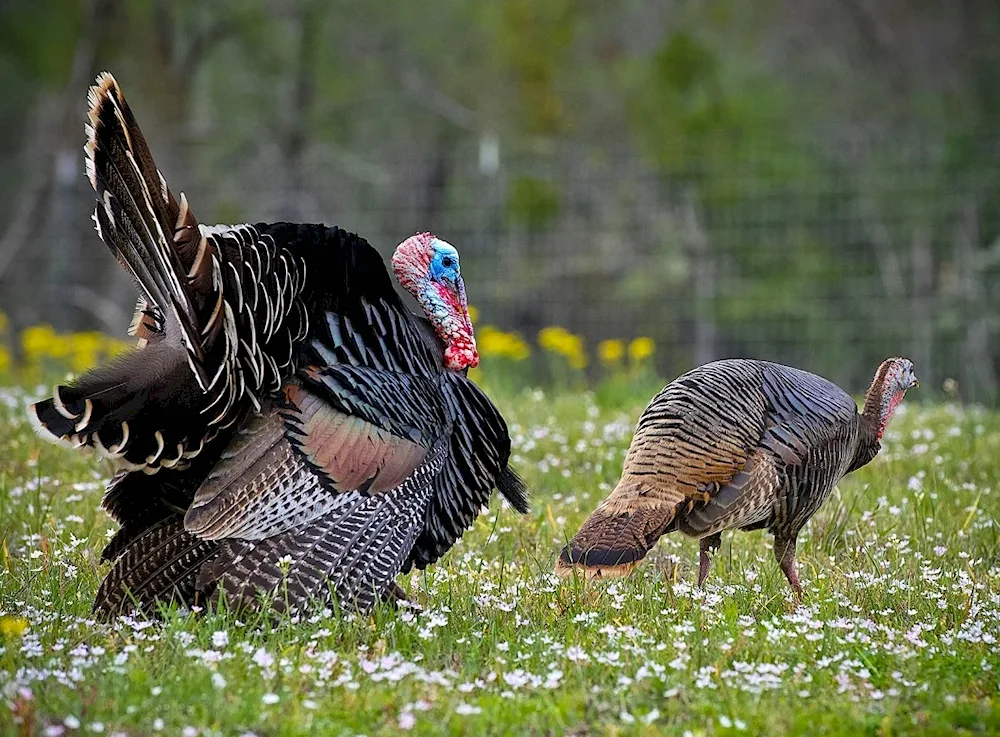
[4, 359]
[610, 351]
[13, 626]
[490, 341]
[559, 340]
[37, 340]
[473, 314]
[4, 322]
[90, 341]
[494, 342]
[640, 349]
[552, 338]
[85, 349]
[113, 347]
[577, 360]
[519, 349]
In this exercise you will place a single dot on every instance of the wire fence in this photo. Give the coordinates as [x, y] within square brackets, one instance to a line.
[826, 257]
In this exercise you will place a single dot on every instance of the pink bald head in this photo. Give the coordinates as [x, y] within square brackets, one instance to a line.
[427, 267]
[411, 261]
[892, 379]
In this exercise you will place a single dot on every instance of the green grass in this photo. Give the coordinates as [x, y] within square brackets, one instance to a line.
[897, 633]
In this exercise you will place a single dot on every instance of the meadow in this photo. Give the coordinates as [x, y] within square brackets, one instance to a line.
[897, 632]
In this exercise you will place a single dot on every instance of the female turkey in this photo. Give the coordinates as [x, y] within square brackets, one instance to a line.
[735, 444]
[287, 422]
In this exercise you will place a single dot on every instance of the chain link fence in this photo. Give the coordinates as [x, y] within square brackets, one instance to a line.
[827, 256]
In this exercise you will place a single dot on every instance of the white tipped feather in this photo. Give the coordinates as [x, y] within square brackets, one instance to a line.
[182, 213]
[193, 452]
[88, 409]
[158, 436]
[99, 448]
[171, 462]
[43, 432]
[117, 449]
[57, 402]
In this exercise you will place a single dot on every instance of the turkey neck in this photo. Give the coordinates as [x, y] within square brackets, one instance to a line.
[878, 406]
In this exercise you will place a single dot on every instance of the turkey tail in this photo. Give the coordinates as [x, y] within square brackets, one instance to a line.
[352, 553]
[126, 408]
[513, 489]
[155, 238]
[157, 567]
[619, 533]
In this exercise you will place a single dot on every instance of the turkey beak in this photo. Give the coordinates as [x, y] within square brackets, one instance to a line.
[464, 301]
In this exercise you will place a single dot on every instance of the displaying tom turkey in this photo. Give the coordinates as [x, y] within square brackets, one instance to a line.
[735, 444]
[288, 425]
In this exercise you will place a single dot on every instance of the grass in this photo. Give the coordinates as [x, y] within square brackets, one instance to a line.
[897, 633]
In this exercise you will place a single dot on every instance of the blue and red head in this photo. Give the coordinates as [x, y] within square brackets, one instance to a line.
[428, 268]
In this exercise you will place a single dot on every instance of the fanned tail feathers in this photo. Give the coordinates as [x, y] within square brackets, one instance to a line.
[155, 238]
[220, 303]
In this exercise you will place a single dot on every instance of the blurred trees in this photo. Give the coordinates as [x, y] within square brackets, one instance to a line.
[813, 181]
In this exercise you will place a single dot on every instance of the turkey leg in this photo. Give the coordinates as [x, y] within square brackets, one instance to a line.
[784, 552]
[397, 596]
[709, 547]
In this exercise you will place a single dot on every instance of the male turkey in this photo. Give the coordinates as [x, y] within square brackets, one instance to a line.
[288, 425]
[735, 444]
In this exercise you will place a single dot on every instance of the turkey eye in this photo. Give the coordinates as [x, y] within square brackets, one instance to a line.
[447, 261]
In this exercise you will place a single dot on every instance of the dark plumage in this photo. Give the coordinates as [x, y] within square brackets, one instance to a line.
[734, 444]
[288, 427]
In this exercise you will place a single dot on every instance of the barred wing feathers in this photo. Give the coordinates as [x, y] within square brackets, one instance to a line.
[350, 554]
[310, 503]
[158, 566]
[419, 409]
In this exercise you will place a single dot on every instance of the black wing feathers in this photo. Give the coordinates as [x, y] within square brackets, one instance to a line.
[477, 462]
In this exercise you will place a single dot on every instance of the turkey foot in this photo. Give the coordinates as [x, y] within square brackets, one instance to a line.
[709, 547]
[397, 595]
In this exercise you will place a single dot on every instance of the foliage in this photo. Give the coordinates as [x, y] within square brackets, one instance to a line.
[532, 202]
[534, 41]
[727, 178]
[45, 57]
[897, 634]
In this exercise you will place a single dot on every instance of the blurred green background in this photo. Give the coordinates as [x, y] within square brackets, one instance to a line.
[810, 181]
